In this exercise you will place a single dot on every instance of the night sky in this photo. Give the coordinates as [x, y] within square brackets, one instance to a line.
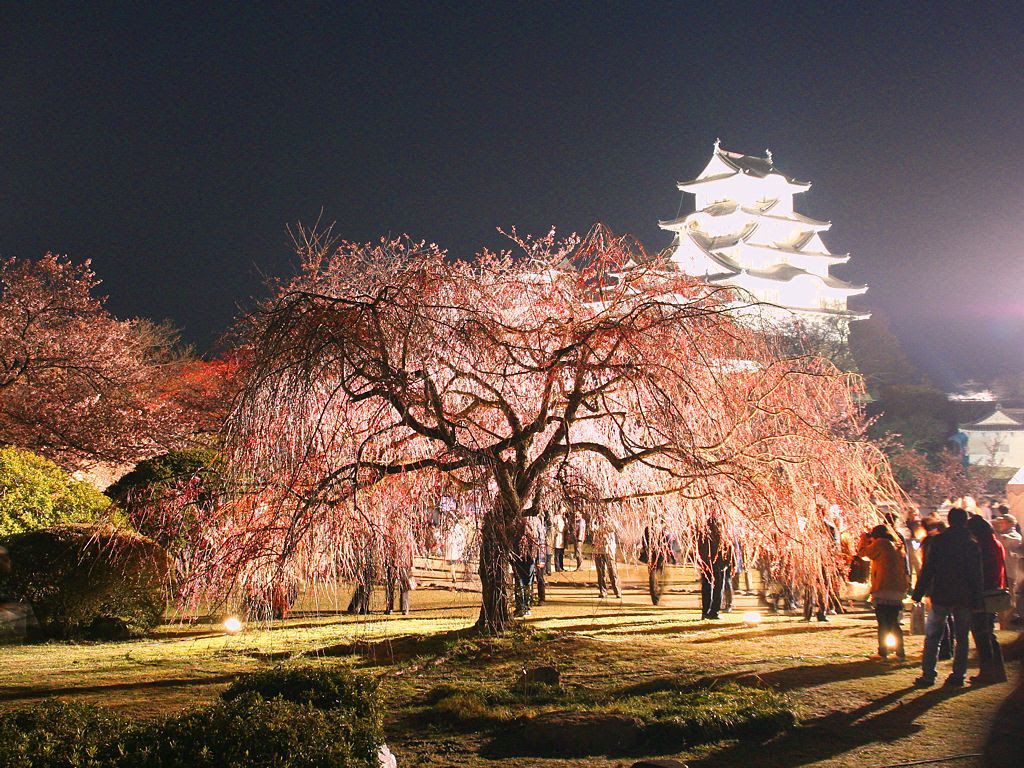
[174, 147]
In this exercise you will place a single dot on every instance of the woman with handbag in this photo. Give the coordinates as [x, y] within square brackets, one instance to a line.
[994, 593]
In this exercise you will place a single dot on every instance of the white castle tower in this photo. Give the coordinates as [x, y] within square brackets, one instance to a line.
[745, 234]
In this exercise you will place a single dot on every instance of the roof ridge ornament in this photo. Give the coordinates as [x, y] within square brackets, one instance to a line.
[768, 154]
[718, 145]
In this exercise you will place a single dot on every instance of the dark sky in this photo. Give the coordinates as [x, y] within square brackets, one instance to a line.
[173, 147]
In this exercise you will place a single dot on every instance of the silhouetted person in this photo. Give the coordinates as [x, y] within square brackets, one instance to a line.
[714, 565]
[527, 539]
[656, 551]
[951, 577]
[579, 536]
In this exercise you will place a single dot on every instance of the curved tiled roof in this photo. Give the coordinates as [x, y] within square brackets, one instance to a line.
[751, 165]
[728, 207]
[1014, 421]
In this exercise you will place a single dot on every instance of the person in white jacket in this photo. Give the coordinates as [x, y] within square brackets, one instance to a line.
[558, 538]
[605, 546]
[580, 536]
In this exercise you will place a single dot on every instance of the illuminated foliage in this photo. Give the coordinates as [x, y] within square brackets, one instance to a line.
[387, 377]
[76, 384]
[36, 493]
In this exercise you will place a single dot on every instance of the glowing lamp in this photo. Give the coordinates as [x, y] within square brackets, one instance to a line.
[752, 619]
[232, 625]
[890, 641]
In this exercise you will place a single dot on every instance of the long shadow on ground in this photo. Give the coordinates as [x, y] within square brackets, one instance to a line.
[35, 692]
[837, 733]
[810, 675]
[1006, 741]
[787, 679]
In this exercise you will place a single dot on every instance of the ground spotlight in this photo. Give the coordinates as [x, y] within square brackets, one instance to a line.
[232, 625]
[890, 641]
[752, 619]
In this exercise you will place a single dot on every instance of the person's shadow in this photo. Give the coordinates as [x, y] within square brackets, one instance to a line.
[835, 733]
[1005, 742]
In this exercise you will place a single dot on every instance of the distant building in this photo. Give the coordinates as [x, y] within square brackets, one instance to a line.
[997, 440]
[745, 234]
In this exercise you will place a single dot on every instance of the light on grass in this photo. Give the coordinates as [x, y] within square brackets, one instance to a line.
[232, 625]
[752, 619]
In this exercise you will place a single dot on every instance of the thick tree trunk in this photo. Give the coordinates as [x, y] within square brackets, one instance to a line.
[494, 574]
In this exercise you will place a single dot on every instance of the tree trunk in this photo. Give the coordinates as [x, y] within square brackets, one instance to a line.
[494, 573]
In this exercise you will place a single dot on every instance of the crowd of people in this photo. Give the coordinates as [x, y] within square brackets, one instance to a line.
[961, 570]
[967, 573]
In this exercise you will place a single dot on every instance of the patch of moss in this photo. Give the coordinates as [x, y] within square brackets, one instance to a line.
[664, 713]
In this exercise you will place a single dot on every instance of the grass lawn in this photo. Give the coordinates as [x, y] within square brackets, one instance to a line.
[454, 700]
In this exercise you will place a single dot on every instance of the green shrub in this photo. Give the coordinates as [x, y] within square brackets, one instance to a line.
[36, 493]
[184, 483]
[246, 732]
[317, 686]
[165, 471]
[352, 699]
[252, 732]
[87, 581]
[58, 734]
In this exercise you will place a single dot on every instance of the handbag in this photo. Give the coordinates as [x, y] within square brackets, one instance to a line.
[917, 619]
[996, 601]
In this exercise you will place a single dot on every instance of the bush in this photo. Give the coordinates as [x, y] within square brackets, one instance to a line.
[314, 718]
[253, 732]
[166, 471]
[353, 699]
[87, 581]
[184, 483]
[317, 686]
[58, 734]
[36, 493]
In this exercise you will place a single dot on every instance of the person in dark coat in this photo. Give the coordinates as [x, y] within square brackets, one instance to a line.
[951, 577]
[983, 624]
[526, 536]
[656, 551]
[933, 527]
[712, 551]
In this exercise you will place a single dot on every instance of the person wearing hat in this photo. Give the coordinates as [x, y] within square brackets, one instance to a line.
[889, 584]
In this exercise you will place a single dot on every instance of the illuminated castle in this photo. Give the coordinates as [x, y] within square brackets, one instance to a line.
[745, 234]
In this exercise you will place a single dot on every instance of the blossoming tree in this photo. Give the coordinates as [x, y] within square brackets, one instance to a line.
[387, 375]
[77, 384]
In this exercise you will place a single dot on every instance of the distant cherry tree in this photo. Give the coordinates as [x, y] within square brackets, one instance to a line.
[386, 377]
[76, 384]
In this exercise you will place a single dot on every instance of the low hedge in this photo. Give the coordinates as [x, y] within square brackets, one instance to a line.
[81, 580]
[313, 719]
[319, 687]
[252, 732]
[60, 734]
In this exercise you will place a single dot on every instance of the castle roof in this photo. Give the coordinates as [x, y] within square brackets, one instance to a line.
[782, 272]
[726, 164]
[759, 211]
[1000, 420]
